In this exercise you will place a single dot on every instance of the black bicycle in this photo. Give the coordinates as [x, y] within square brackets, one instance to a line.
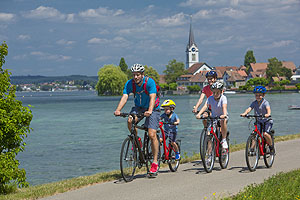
[134, 152]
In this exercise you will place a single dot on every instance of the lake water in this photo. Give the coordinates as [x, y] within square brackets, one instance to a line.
[76, 134]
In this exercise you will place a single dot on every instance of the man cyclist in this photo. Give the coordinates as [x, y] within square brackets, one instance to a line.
[144, 103]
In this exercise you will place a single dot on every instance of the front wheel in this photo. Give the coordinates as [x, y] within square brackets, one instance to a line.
[202, 135]
[128, 159]
[173, 163]
[208, 153]
[252, 153]
[224, 155]
[149, 154]
[269, 156]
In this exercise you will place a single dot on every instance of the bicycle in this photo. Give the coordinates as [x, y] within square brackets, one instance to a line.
[134, 152]
[256, 146]
[169, 151]
[211, 146]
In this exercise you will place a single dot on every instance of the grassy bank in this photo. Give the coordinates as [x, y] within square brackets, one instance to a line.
[39, 191]
[280, 186]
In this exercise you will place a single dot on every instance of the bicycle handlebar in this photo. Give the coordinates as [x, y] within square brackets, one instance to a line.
[170, 123]
[218, 117]
[255, 116]
[130, 114]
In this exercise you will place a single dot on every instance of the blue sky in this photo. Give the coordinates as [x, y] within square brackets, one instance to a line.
[68, 37]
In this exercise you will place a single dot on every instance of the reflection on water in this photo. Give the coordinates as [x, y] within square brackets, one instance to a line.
[76, 134]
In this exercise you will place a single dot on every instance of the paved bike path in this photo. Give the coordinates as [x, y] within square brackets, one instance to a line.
[191, 181]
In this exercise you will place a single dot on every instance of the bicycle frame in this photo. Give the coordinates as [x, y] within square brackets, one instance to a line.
[261, 142]
[211, 121]
[167, 149]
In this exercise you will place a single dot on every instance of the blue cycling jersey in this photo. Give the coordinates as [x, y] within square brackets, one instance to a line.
[141, 98]
[168, 127]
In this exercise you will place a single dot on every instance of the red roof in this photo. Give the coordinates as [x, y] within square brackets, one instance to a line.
[222, 69]
[194, 68]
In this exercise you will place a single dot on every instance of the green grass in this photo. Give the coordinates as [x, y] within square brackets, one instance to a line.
[280, 186]
[39, 191]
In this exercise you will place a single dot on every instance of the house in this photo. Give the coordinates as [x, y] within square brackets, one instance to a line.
[198, 67]
[222, 69]
[162, 79]
[296, 77]
[290, 65]
[233, 79]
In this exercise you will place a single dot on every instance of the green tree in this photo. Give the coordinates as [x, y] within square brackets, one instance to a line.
[111, 80]
[275, 69]
[194, 88]
[151, 72]
[14, 127]
[173, 86]
[249, 58]
[173, 70]
[164, 86]
[257, 81]
[123, 65]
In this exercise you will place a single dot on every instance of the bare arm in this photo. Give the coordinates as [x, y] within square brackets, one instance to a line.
[121, 104]
[202, 110]
[268, 112]
[224, 107]
[246, 112]
[177, 122]
[202, 95]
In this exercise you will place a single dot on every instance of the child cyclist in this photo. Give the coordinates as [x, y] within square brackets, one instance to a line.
[262, 107]
[218, 104]
[170, 129]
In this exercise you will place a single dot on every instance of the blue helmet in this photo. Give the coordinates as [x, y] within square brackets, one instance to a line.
[211, 73]
[259, 89]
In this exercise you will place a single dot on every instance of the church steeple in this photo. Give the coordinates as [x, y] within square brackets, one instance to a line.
[191, 37]
[192, 51]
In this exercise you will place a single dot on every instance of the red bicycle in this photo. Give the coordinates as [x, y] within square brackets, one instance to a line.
[256, 146]
[211, 148]
[169, 151]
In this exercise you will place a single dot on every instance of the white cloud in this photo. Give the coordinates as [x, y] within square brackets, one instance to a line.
[6, 17]
[201, 3]
[49, 13]
[20, 57]
[218, 41]
[48, 56]
[65, 42]
[202, 14]
[100, 12]
[175, 20]
[282, 43]
[24, 37]
[230, 12]
[97, 41]
[102, 58]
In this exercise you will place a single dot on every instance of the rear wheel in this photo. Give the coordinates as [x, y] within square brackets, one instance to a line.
[202, 135]
[224, 155]
[128, 159]
[208, 153]
[269, 156]
[173, 163]
[149, 154]
[252, 153]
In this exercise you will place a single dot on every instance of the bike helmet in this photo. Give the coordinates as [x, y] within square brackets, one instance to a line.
[217, 85]
[168, 102]
[211, 74]
[259, 89]
[137, 68]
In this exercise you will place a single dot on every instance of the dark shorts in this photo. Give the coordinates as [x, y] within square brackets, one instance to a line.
[150, 122]
[170, 135]
[267, 126]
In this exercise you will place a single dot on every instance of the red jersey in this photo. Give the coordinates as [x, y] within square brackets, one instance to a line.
[207, 91]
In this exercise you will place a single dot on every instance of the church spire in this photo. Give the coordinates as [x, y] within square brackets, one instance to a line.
[191, 36]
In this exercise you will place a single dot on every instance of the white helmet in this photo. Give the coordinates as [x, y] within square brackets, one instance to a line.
[217, 85]
[137, 68]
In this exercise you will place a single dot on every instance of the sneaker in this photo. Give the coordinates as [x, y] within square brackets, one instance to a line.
[177, 156]
[224, 144]
[153, 169]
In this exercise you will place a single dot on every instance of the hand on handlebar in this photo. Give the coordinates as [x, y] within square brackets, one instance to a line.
[148, 113]
[117, 113]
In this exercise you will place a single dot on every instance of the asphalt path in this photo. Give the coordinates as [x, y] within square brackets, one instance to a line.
[191, 181]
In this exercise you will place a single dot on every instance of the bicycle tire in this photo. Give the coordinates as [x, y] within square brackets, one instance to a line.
[268, 157]
[252, 157]
[224, 156]
[149, 154]
[128, 159]
[173, 163]
[202, 134]
[208, 158]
